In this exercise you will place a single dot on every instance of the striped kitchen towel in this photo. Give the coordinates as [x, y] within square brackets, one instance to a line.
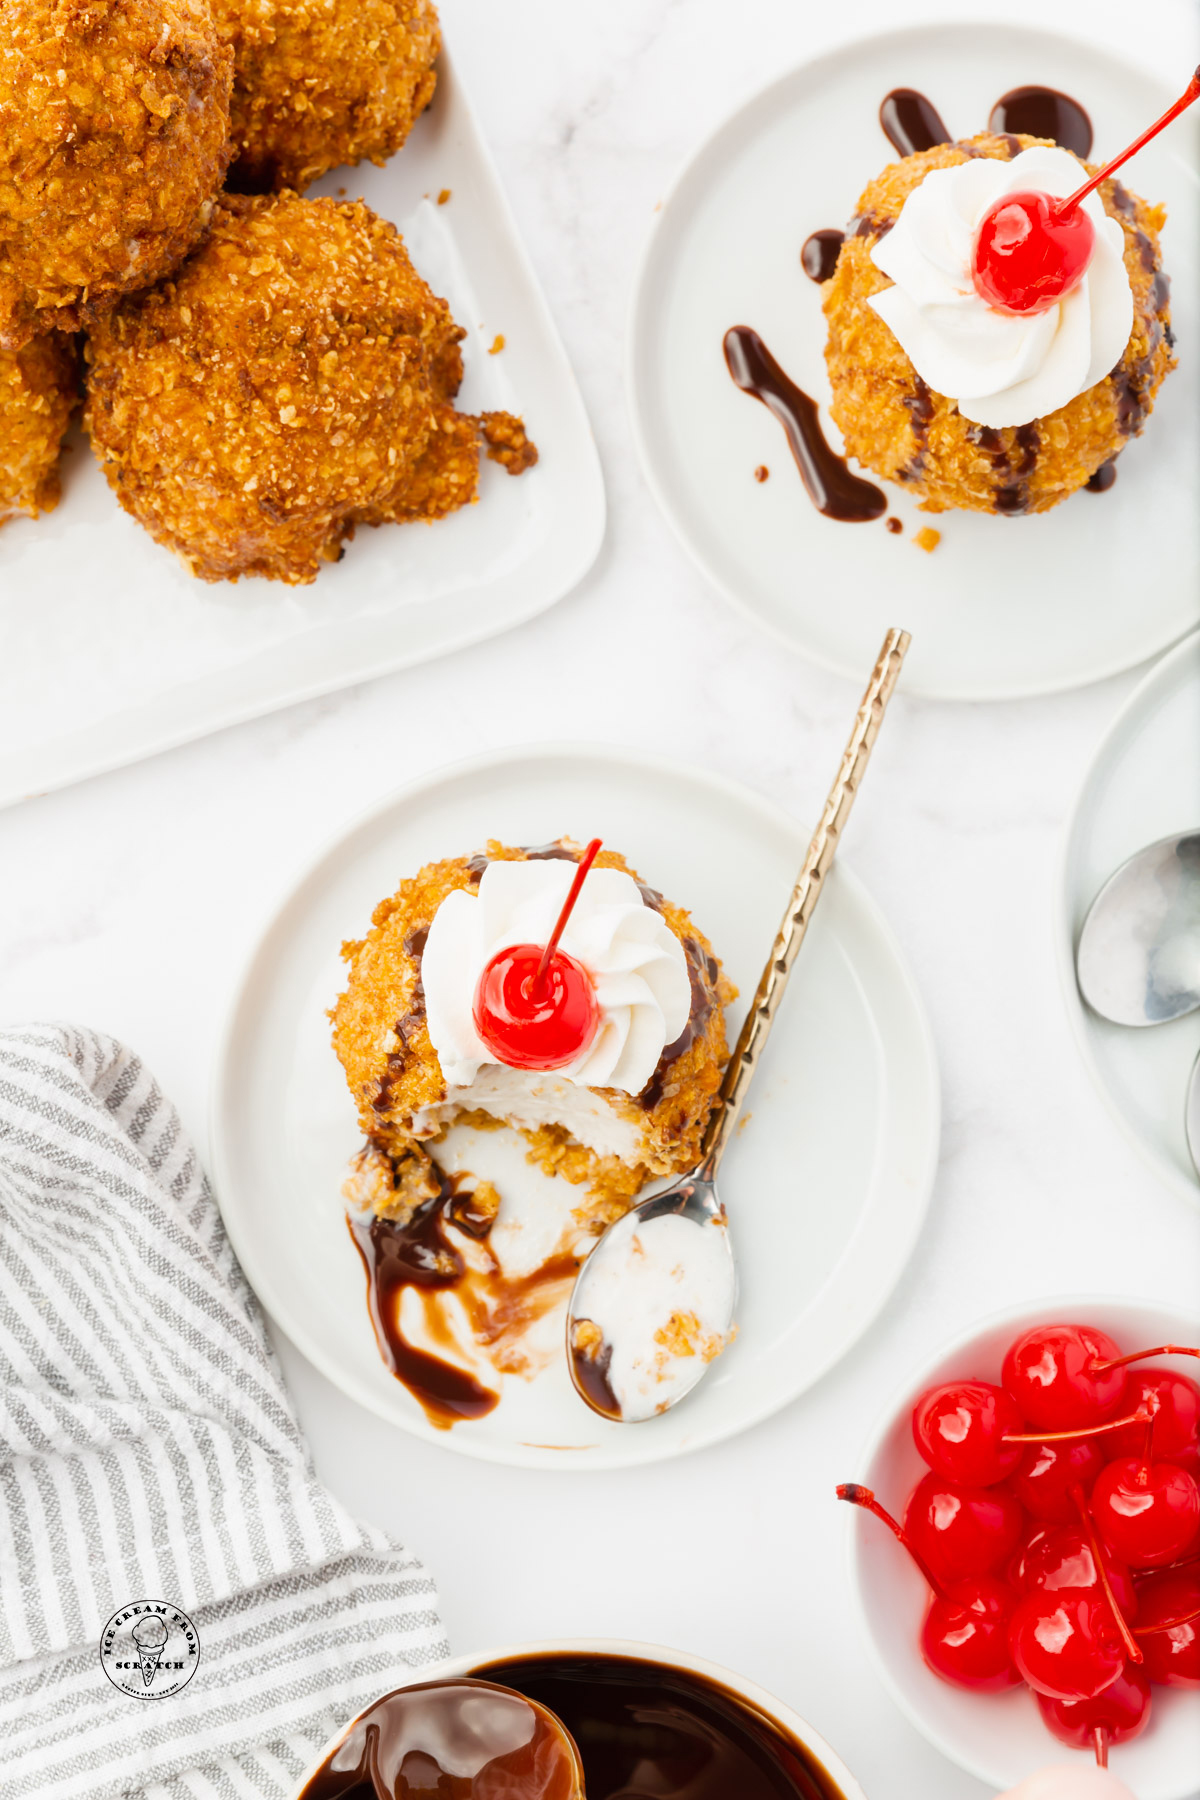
[148, 1453]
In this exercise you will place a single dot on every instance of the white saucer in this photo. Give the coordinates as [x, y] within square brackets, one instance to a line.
[1143, 785]
[1003, 607]
[826, 1185]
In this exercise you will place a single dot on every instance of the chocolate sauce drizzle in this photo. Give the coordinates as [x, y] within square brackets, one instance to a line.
[704, 972]
[591, 1378]
[832, 488]
[911, 122]
[1043, 112]
[1103, 479]
[419, 1254]
[1013, 461]
[819, 254]
[647, 1731]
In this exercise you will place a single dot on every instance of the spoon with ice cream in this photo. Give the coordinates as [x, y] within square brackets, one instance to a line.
[653, 1305]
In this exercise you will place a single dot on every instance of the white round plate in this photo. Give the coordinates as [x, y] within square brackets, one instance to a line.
[1144, 784]
[1003, 607]
[826, 1185]
[999, 1737]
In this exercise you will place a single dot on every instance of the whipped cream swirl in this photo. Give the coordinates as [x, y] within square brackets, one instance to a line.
[635, 960]
[1000, 368]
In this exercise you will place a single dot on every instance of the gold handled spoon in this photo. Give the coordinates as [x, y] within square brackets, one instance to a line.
[653, 1304]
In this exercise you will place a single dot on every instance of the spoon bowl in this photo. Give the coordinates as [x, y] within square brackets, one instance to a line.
[648, 1316]
[1138, 960]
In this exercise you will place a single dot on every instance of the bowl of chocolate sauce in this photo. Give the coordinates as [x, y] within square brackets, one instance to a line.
[647, 1724]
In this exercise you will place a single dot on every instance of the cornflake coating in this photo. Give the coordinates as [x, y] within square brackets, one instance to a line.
[39, 389]
[293, 380]
[319, 83]
[381, 1037]
[114, 126]
[894, 424]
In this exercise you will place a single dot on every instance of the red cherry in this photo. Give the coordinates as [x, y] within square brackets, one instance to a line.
[1052, 1374]
[1176, 1422]
[1172, 1656]
[535, 1006]
[962, 1530]
[964, 1635]
[1147, 1513]
[532, 1025]
[1055, 1557]
[960, 1428]
[1048, 1472]
[1030, 251]
[1067, 1644]
[1118, 1714]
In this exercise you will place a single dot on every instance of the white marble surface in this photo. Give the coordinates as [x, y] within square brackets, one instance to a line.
[129, 902]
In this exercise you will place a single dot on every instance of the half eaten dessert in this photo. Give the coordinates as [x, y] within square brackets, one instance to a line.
[622, 1097]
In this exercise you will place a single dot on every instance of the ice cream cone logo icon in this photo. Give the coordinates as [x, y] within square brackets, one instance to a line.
[149, 1648]
[150, 1636]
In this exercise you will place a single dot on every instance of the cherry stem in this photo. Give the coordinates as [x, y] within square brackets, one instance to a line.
[1167, 1624]
[1096, 1367]
[581, 873]
[864, 1497]
[1100, 1742]
[1132, 1647]
[1140, 1417]
[1065, 206]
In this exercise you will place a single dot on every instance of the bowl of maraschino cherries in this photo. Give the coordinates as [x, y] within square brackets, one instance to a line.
[1025, 1550]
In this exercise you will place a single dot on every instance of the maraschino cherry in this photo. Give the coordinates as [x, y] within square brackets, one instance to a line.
[963, 1429]
[961, 1530]
[1176, 1422]
[1169, 1626]
[964, 1638]
[1113, 1717]
[1055, 1557]
[1064, 1376]
[1032, 249]
[1147, 1512]
[1066, 1645]
[535, 1006]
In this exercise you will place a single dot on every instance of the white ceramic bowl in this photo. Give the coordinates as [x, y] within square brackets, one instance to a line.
[756, 1697]
[998, 1737]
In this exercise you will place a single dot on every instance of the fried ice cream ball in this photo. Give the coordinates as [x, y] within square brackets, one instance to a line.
[319, 83]
[114, 127]
[381, 1038]
[39, 388]
[292, 380]
[894, 424]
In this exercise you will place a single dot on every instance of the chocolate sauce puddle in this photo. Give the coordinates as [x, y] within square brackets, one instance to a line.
[420, 1254]
[646, 1731]
[1043, 112]
[911, 122]
[834, 491]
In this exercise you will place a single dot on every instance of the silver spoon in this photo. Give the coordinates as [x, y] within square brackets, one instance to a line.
[654, 1302]
[1138, 961]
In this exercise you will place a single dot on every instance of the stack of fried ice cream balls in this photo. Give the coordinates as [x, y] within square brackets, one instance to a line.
[260, 372]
